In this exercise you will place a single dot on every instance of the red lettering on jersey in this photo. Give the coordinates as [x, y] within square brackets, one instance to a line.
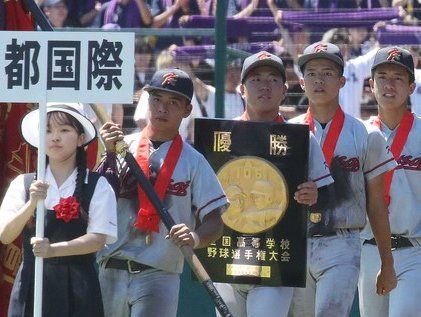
[349, 164]
[178, 189]
[408, 162]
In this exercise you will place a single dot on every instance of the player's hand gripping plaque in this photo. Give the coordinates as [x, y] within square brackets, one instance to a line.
[260, 165]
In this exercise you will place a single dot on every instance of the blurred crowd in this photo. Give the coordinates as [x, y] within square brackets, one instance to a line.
[172, 13]
[358, 45]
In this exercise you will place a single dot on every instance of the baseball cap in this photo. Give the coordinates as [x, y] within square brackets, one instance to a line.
[30, 123]
[262, 58]
[394, 55]
[172, 80]
[321, 50]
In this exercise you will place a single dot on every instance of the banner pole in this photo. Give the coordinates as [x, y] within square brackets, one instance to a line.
[39, 229]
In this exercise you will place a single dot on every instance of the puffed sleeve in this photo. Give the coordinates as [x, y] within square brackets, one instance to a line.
[103, 211]
[14, 198]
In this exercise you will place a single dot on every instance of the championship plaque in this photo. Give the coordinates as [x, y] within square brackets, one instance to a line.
[260, 165]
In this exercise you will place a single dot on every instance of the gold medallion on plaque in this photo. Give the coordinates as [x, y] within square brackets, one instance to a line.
[257, 191]
[315, 217]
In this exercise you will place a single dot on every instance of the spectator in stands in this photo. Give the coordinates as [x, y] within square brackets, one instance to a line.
[341, 37]
[166, 13]
[199, 67]
[370, 4]
[294, 93]
[57, 13]
[413, 8]
[124, 13]
[143, 62]
[359, 43]
[84, 11]
[143, 74]
[243, 9]
[234, 103]
[356, 70]
[330, 5]
[169, 13]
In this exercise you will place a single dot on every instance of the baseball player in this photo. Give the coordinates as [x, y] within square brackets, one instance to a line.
[358, 160]
[140, 273]
[263, 89]
[392, 82]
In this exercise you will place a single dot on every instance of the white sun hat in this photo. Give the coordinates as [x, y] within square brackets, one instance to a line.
[30, 123]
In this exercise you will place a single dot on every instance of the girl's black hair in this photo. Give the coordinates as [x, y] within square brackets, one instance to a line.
[80, 180]
[64, 118]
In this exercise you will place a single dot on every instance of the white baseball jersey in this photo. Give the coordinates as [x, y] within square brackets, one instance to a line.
[234, 105]
[333, 261]
[405, 190]
[359, 156]
[356, 70]
[318, 171]
[416, 95]
[102, 209]
[194, 191]
[405, 220]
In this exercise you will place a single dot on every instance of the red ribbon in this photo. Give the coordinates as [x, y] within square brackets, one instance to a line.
[397, 146]
[67, 209]
[147, 217]
[332, 136]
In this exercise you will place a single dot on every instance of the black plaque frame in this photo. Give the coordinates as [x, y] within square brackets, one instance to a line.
[249, 138]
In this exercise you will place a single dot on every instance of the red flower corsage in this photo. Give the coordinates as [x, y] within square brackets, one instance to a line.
[147, 220]
[67, 209]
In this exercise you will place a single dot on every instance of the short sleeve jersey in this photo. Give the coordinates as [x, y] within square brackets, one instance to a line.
[193, 192]
[359, 156]
[405, 190]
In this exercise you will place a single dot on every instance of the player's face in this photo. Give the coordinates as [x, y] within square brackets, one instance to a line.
[62, 141]
[166, 110]
[263, 89]
[391, 86]
[321, 81]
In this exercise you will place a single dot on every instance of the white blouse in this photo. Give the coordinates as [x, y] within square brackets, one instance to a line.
[102, 208]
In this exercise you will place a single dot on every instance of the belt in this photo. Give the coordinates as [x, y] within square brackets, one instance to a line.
[73, 259]
[127, 265]
[396, 241]
[330, 233]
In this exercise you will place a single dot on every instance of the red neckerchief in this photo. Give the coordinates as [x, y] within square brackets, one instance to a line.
[245, 117]
[332, 135]
[147, 217]
[397, 146]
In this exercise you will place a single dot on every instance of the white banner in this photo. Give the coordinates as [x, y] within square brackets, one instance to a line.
[91, 67]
